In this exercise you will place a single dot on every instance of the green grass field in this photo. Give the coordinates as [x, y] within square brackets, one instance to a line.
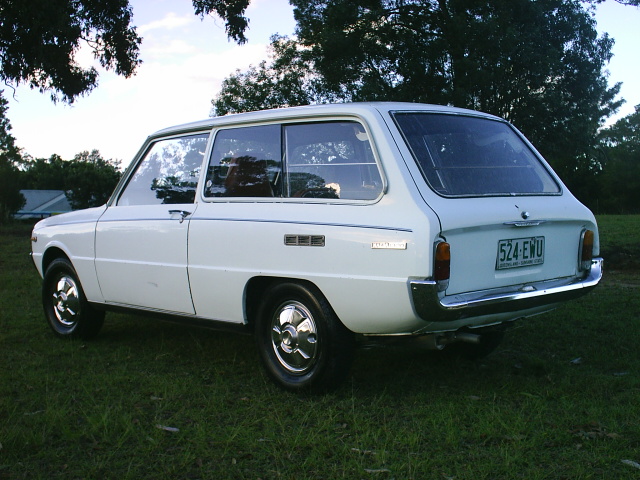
[560, 399]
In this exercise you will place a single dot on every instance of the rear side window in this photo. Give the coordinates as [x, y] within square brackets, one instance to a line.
[330, 160]
[245, 162]
[323, 160]
[471, 156]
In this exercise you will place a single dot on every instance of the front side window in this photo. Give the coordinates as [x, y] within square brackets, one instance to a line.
[472, 156]
[168, 173]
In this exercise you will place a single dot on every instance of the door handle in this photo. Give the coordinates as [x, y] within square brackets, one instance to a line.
[183, 214]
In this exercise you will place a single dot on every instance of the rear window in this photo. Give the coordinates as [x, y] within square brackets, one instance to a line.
[471, 156]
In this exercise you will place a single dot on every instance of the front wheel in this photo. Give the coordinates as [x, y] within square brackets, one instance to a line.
[65, 306]
[302, 343]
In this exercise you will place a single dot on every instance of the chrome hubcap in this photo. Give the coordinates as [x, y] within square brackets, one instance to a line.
[294, 337]
[66, 303]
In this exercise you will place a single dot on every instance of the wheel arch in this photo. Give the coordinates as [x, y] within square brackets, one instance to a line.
[257, 287]
[51, 254]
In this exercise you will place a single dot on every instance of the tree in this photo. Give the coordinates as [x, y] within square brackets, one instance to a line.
[91, 179]
[88, 179]
[40, 39]
[11, 200]
[635, 3]
[288, 80]
[39, 44]
[538, 63]
[620, 185]
[231, 11]
[44, 173]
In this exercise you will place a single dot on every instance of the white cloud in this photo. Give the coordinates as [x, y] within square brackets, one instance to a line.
[120, 113]
[184, 62]
[174, 47]
[170, 21]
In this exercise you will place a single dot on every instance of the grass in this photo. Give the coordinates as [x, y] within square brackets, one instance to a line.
[152, 400]
[620, 239]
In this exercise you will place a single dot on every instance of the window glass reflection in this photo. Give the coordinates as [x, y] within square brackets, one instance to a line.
[245, 162]
[168, 174]
[331, 160]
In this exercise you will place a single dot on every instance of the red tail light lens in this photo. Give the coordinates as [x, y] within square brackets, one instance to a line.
[442, 264]
[586, 249]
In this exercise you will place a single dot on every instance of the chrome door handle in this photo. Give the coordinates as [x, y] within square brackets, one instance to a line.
[183, 214]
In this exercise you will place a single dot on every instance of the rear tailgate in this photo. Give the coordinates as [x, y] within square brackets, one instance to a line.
[508, 219]
[496, 242]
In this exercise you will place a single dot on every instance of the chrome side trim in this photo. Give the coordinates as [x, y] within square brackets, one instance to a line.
[305, 223]
[437, 308]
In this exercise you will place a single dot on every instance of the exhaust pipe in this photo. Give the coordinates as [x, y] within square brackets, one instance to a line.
[467, 337]
[437, 341]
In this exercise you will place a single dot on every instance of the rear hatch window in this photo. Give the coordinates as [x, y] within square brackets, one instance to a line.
[463, 156]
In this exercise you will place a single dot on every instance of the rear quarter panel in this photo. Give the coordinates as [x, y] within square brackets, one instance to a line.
[368, 288]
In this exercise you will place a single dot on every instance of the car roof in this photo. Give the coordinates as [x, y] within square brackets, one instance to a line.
[355, 108]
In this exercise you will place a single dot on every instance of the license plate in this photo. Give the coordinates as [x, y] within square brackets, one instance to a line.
[520, 252]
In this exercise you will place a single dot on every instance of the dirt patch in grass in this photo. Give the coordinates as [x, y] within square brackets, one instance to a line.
[627, 259]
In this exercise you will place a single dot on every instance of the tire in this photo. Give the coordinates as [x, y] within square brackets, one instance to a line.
[302, 343]
[65, 306]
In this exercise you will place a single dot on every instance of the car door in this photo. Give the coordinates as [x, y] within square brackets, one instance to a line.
[141, 239]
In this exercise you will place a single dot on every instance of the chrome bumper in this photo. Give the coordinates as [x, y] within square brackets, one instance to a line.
[434, 307]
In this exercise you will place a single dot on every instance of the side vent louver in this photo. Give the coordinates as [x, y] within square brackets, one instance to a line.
[304, 240]
[317, 240]
[291, 240]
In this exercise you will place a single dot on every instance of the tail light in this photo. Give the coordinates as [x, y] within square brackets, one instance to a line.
[442, 265]
[586, 249]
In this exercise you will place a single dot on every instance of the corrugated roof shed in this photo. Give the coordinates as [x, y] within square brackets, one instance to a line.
[41, 203]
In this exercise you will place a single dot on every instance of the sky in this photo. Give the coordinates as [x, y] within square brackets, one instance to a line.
[185, 59]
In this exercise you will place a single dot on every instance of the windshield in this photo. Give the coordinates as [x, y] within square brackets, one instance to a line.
[472, 156]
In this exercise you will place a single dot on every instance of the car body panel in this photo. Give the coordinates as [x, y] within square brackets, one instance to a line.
[346, 267]
[474, 239]
[72, 234]
[145, 249]
[373, 260]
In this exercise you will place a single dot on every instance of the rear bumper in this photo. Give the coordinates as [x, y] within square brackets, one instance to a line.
[518, 301]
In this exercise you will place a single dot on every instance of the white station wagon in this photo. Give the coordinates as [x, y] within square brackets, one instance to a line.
[317, 226]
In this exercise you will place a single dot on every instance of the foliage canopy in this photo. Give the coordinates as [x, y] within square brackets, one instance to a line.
[620, 184]
[538, 63]
[40, 40]
[88, 179]
[11, 199]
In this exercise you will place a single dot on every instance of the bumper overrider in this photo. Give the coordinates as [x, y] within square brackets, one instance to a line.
[432, 306]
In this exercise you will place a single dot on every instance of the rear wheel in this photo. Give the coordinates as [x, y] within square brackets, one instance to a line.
[302, 343]
[65, 306]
